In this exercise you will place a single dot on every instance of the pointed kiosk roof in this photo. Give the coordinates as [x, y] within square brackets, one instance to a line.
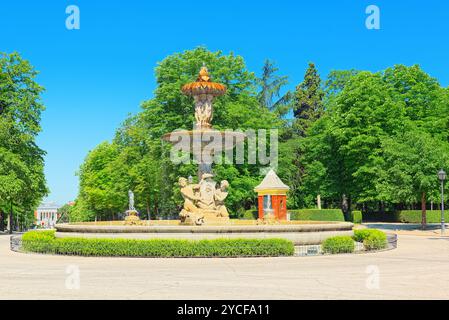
[271, 184]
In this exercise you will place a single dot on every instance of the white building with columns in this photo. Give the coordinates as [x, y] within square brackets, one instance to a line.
[47, 214]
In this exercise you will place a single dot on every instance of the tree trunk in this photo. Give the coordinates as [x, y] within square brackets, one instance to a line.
[382, 207]
[148, 210]
[345, 206]
[2, 228]
[11, 220]
[423, 210]
[318, 201]
[156, 207]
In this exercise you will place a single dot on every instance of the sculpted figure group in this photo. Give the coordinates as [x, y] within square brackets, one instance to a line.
[203, 200]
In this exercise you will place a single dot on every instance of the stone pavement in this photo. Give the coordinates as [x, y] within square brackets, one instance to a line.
[417, 269]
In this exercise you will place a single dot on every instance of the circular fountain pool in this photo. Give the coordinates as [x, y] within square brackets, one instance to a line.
[300, 232]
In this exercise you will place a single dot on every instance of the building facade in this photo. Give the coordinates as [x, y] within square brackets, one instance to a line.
[47, 214]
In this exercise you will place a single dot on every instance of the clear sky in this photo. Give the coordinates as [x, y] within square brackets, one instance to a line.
[94, 77]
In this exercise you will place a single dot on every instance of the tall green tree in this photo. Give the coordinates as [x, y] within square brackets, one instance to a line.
[270, 85]
[411, 161]
[308, 105]
[100, 188]
[22, 180]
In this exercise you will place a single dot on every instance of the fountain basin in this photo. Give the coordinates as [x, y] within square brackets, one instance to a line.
[299, 232]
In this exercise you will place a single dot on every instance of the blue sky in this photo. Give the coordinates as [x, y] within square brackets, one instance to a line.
[94, 77]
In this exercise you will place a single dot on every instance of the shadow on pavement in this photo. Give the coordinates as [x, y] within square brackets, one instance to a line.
[401, 226]
[440, 238]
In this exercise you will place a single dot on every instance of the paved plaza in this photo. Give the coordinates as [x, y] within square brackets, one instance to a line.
[417, 269]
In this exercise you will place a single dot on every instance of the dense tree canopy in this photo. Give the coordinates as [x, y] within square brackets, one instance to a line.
[367, 144]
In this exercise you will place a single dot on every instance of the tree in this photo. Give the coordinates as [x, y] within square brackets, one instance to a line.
[308, 104]
[22, 180]
[337, 80]
[347, 141]
[100, 188]
[411, 161]
[64, 213]
[368, 116]
[426, 102]
[270, 86]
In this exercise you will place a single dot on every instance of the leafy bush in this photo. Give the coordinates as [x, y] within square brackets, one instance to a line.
[46, 242]
[415, 216]
[372, 239]
[362, 234]
[338, 244]
[356, 216]
[317, 215]
[375, 242]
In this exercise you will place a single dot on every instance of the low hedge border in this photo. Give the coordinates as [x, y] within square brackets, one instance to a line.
[317, 215]
[406, 216]
[46, 242]
[307, 214]
[415, 216]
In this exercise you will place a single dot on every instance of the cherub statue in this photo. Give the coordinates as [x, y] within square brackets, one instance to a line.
[190, 194]
[219, 196]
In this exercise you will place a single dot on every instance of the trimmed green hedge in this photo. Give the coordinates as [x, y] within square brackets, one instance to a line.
[356, 217]
[338, 244]
[415, 216]
[46, 242]
[317, 215]
[372, 239]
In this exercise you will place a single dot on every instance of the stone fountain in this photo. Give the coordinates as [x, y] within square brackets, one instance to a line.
[204, 202]
[132, 215]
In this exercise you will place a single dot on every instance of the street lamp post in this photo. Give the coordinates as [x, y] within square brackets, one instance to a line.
[442, 177]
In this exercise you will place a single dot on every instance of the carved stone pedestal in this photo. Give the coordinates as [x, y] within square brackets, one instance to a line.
[212, 217]
[132, 217]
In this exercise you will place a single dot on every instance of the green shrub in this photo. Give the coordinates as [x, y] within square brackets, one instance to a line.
[317, 215]
[356, 216]
[375, 243]
[338, 244]
[415, 216]
[362, 234]
[372, 239]
[251, 214]
[41, 242]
